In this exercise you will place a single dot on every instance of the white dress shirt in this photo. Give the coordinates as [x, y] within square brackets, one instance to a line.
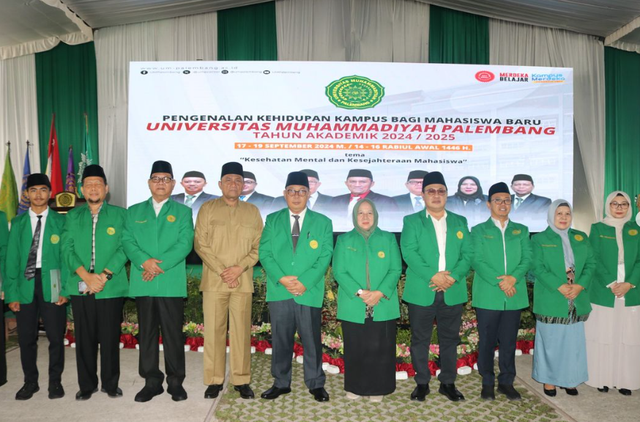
[312, 199]
[504, 245]
[441, 236]
[34, 222]
[195, 197]
[157, 206]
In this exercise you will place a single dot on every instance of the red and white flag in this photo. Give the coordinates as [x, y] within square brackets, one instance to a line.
[53, 161]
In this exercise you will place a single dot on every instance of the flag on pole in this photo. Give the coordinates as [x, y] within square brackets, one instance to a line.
[8, 189]
[70, 181]
[86, 155]
[25, 202]
[53, 162]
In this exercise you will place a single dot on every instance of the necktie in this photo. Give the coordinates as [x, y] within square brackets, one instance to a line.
[518, 201]
[242, 197]
[30, 271]
[189, 201]
[295, 232]
[418, 206]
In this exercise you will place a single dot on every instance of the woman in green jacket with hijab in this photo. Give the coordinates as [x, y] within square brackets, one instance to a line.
[367, 267]
[563, 267]
[613, 329]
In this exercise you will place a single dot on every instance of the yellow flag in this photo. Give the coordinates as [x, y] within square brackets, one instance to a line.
[8, 190]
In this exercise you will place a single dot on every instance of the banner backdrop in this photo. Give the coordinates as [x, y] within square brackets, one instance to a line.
[476, 124]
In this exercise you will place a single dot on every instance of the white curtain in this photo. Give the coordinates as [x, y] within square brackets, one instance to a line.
[525, 45]
[19, 113]
[188, 38]
[353, 30]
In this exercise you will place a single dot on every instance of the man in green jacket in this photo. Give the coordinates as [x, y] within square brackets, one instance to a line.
[158, 235]
[436, 247]
[501, 260]
[94, 256]
[4, 239]
[34, 286]
[295, 250]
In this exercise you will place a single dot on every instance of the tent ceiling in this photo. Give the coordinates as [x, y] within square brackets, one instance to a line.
[30, 20]
[593, 17]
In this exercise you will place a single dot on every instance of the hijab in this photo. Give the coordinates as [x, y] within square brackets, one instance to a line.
[466, 197]
[617, 223]
[569, 261]
[370, 230]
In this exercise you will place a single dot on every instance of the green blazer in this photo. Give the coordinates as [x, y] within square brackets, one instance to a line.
[420, 251]
[488, 263]
[4, 241]
[550, 272]
[17, 288]
[77, 240]
[168, 237]
[605, 249]
[309, 262]
[350, 260]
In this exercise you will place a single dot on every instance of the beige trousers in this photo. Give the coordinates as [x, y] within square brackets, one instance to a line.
[220, 308]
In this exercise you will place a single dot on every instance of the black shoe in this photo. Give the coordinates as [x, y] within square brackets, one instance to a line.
[85, 395]
[177, 393]
[420, 392]
[56, 391]
[3, 382]
[275, 392]
[604, 389]
[571, 391]
[147, 393]
[212, 391]
[624, 391]
[320, 394]
[550, 393]
[449, 390]
[487, 393]
[509, 391]
[114, 394]
[27, 391]
[245, 391]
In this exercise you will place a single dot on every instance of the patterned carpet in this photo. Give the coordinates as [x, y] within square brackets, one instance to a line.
[300, 406]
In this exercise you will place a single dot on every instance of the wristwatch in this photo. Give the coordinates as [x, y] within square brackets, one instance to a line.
[359, 292]
[108, 275]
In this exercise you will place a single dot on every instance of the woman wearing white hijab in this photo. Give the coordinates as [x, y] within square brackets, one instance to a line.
[563, 268]
[613, 330]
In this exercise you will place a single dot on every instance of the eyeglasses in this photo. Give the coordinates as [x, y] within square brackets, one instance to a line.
[433, 192]
[621, 205]
[501, 201]
[166, 179]
[249, 182]
[293, 192]
[415, 182]
[93, 185]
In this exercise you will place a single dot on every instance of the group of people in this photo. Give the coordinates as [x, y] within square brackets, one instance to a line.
[586, 302]
[468, 200]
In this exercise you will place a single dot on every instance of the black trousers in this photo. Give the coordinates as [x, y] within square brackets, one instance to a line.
[166, 314]
[54, 318]
[97, 321]
[497, 328]
[3, 347]
[287, 317]
[449, 319]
